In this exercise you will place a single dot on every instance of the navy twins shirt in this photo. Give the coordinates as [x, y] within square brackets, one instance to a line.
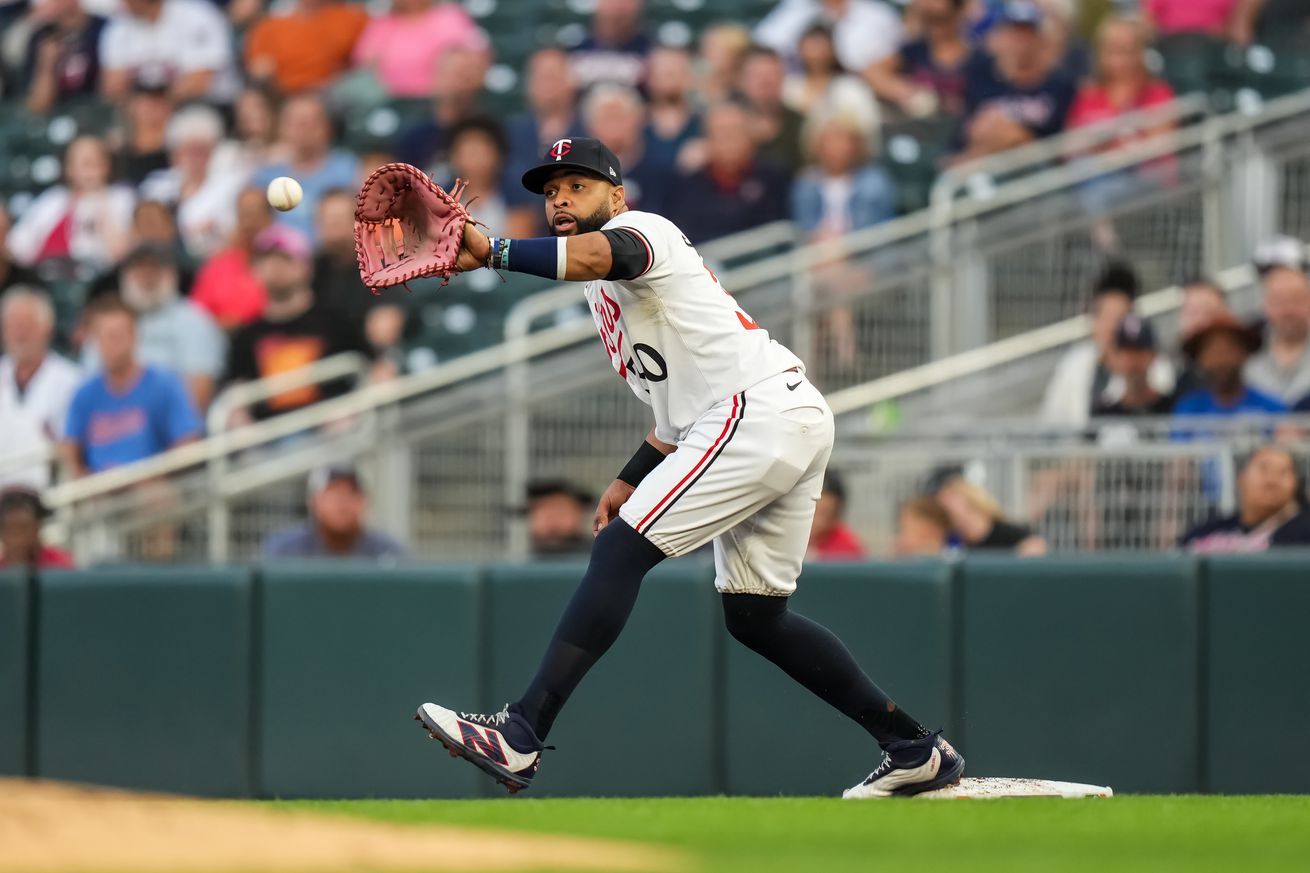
[1041, 108]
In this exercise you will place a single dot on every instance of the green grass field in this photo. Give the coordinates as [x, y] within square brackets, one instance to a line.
[788, 835]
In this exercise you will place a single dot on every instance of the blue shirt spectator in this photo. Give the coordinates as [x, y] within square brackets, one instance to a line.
[1220, 350]
[335, 529]
[1203, 402]
[128, 412]
[305, 129]
[615, 47]
[1016, 95]
[841, 191]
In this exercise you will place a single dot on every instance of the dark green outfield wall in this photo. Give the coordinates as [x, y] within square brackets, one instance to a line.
[1148, 673]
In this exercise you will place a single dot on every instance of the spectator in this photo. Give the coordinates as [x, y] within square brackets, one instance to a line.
[1271, 511]
[63, 55]
[255, 125]
[337, 282]
[226, 286]
[12, 274]
[775, 127]
[456, 95]
[1015, 95]
[615, 115]
[1131, 357]
[928, 74]
[558, 514]
[21, 515]
[36, 386]
[185, 45]
[129, 411]
[1217, 18]
[831, 538]
[1203, 301]
[722, 47]
[842, 189]
[672, 120]
[1082, 377]
[866, 31]
[1221, 350]
[172, 332]
[305, 130]
[1282, 368]
[404, 46]
[292, 332]
[923, 529]
[978, 523]
[153, 223]
[84, 219]
[615, 48]
[552, 115]
[735, 190]
[823, 87]
[305, 48]
[338, 504]
[145, 150]
[201, 183]
[1122, 81]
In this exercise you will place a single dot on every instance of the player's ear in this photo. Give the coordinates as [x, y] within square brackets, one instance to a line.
[618, 199]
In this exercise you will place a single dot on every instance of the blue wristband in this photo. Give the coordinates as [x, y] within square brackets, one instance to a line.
[540, 256]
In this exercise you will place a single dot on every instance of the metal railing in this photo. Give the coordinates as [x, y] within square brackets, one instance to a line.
[453, 446]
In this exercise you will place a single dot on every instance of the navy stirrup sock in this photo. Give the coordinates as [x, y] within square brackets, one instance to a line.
[592, 621]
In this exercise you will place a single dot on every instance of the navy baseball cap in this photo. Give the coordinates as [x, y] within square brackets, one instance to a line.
[1021, 12]
[1134, 332]
[580, 153]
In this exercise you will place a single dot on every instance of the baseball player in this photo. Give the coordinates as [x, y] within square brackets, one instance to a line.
[737, 456]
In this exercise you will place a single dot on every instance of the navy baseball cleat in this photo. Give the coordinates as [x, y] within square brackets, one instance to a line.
[911, 767]
[485, 741]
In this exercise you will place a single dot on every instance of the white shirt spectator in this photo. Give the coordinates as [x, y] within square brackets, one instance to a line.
[1068, 399]
[189, 36]
[207, 218]
[178, 336]
[863, 31]
[28, 237]
[33, 418]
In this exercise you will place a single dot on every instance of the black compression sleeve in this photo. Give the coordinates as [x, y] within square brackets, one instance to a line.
[629, 254]
[647, 458]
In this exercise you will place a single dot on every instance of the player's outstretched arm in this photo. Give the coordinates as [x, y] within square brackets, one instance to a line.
[603, 254]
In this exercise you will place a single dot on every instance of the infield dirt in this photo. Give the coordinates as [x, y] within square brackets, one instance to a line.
[46, 826]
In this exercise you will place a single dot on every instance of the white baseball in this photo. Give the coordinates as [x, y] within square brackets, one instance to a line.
[284, 193]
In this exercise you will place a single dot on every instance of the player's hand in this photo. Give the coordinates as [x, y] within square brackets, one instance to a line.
[475, 249]
[614, 497]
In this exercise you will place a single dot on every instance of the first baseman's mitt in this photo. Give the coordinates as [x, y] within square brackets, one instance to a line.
[407, 227]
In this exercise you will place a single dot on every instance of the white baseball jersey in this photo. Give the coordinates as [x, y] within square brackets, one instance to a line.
[675, 335]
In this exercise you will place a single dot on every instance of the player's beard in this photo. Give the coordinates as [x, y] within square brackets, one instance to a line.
[587, 224]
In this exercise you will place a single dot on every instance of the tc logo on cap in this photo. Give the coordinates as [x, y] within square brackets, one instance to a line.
[561, 148]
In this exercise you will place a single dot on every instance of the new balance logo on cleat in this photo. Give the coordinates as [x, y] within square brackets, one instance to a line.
[911, 767]
[480, 739]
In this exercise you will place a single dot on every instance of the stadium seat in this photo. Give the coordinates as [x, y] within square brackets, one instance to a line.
[1192, 61]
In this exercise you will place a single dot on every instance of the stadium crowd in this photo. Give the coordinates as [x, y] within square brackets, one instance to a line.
[151, 273]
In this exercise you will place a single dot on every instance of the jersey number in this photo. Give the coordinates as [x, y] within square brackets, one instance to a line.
[648, 363]
[746, 321]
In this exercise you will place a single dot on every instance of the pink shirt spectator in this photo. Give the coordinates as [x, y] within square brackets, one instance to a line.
[1093, 102]
[403, 49]
[1191, 16]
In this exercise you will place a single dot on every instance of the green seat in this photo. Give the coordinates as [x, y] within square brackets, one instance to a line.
[1193, 61]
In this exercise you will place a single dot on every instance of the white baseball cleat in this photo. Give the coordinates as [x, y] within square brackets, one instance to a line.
[911, 767]
[481, 740]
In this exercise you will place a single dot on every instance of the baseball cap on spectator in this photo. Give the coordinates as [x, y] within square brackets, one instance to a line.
[549, 487]
[152, 85]
[324, 476]
[1024, 13]
[1134, 332]
[282, 240]
[1281, 251]
[151, 252]
[1224, 322]
[21, 496]
[938, 478]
